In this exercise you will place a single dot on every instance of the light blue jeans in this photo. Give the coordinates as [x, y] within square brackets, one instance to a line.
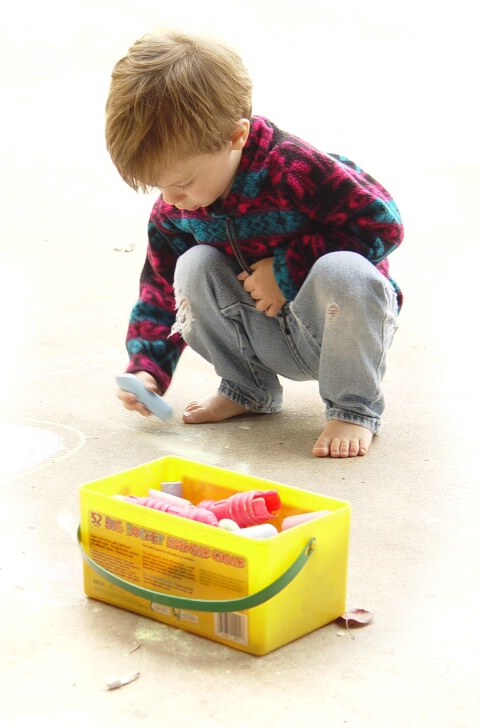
[336, 331]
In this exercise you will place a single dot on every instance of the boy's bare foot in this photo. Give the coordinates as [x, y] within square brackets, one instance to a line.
[212, 409]
[342, 440]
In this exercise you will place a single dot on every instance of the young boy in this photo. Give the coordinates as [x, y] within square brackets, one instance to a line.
[265, 255]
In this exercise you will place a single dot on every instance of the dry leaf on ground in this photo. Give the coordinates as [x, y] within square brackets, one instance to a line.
[355, 618]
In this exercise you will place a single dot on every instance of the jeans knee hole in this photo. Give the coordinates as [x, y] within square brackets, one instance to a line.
[183, 322]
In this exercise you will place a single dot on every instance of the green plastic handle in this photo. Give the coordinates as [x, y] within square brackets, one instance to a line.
[207, 605]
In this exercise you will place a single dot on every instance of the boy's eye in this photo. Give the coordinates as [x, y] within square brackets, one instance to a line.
[185, 187]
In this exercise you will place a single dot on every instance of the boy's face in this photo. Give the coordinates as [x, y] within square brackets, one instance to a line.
[200, 180]
[204, 178]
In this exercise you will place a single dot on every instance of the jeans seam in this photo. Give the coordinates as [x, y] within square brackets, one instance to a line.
[291, 343]
[385, 346]
[254, 374]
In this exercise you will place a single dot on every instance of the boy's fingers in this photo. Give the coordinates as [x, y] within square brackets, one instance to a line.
[148, 381]
[131, 403]
[143, 410]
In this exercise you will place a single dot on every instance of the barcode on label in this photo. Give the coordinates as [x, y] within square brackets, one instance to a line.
[232, 625]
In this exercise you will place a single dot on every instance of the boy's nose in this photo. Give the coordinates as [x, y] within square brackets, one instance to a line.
[172, 198]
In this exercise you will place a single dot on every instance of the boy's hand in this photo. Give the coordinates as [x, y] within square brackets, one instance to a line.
[129, 400]
[263, 287]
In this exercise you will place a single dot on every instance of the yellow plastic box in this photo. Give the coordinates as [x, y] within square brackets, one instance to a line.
[249, 594]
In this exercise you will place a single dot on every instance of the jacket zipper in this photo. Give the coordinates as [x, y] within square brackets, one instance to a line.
[236, 248]
[284, 317]
[243, 263]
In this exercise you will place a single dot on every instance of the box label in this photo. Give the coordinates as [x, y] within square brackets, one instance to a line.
[165, 562]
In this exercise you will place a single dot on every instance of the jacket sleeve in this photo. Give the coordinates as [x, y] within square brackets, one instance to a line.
[349, 211]
[150, 344]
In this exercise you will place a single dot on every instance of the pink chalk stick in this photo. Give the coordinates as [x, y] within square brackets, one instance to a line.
[291, 521]
[192, 512]
[164, 496]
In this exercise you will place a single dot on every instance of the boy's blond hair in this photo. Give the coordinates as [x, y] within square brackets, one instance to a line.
[171, 97]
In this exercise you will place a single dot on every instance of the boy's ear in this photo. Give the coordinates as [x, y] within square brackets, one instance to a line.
[240, 135]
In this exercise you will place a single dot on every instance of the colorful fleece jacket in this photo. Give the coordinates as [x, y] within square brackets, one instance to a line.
[288, 200]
